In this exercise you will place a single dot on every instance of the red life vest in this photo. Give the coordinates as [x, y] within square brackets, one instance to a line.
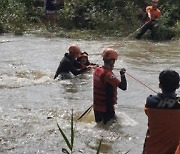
[102, 76]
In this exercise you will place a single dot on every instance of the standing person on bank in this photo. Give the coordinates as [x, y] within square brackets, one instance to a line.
[69, 64]
[50, 9]
[105, 86]
[163, 112]
[153, 14]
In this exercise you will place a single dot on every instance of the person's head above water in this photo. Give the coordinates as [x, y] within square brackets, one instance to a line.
[109, 57]
[169, 80]
[75, 50]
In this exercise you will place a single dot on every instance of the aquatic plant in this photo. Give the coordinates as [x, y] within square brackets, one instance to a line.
[70, 143]
[99, 147]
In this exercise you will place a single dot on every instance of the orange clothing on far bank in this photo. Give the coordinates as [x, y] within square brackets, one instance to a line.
[155, 13]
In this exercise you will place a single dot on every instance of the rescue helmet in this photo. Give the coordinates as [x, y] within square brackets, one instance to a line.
[74, 49]
[109, 54]
[83, 54]
[154, 1]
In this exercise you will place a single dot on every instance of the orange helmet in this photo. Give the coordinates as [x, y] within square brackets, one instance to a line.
[155, 1]
[74, 49]
[109, 54]
[83, 54]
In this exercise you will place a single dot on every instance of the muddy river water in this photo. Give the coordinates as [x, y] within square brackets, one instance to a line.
[32, 103]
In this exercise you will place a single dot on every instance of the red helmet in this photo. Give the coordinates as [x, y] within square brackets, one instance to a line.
[109, 54]
[155, 1]
[83, 54]
[74, 49]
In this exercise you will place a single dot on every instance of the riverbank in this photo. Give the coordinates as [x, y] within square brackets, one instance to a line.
[84, 34]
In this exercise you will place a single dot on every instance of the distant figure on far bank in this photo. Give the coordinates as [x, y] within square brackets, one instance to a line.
[69, 64]
[163, 112]
[50, 10]
[153, 14]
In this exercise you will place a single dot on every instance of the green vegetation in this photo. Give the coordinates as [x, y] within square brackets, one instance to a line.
[107, 18]
[70, 143]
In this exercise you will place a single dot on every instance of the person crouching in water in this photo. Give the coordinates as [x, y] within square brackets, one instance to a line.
[69, 64]
[163, 112]
[84, 60]
[105, 86]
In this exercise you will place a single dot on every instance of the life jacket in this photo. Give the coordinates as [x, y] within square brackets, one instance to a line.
[163, 127]
[178, 149]
[155, 13]
[102, 76]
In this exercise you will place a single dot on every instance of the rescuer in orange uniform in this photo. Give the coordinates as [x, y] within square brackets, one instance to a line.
[153, 13]
[105, 86]
[163, 112]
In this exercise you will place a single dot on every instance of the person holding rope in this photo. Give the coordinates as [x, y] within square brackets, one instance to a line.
[163, 112]
[105, 86]
[153, 14]
[69, 64]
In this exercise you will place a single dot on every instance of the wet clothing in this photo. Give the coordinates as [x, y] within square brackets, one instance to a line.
[50, 6]
[152, 24]
[69, 65]
[163, 134]
[105, 86]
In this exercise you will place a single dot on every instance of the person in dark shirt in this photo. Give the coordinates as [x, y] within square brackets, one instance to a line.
[163, 112]
[50, 9]
[69, 64]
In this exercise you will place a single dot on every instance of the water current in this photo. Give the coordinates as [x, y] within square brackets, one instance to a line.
[32, 102]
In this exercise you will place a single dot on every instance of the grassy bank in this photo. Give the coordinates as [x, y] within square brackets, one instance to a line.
[87, 18]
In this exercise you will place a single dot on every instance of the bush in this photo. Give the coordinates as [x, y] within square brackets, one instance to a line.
[167, 22]
[114, 17]
[13, 16]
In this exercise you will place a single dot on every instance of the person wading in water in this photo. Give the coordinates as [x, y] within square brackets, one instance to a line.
[105, 86]
[69, 64]
[153, 14]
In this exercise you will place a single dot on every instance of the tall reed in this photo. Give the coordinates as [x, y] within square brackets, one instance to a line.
[70, 142]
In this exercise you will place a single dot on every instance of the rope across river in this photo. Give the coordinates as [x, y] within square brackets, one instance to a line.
[90, 108]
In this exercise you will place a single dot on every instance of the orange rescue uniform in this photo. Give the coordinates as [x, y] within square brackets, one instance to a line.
[163, 133]
[155, 13]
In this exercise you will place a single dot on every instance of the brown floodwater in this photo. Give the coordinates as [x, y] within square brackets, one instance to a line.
[32, 103]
